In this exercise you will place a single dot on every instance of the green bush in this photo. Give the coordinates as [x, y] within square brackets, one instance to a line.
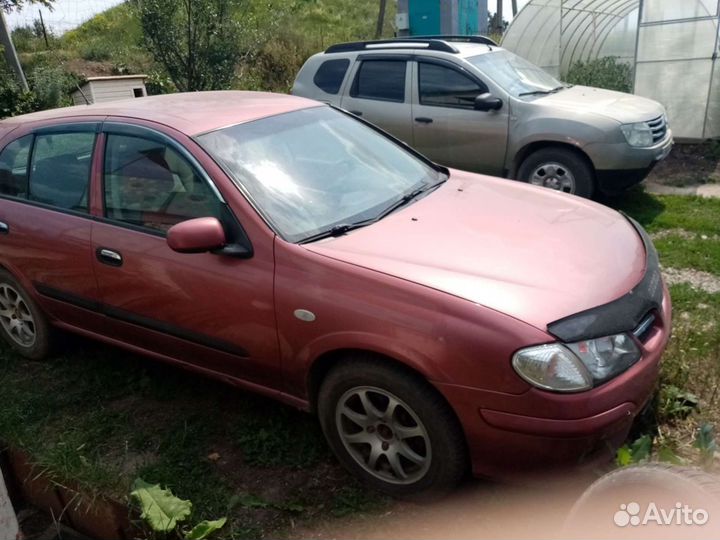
[52, 86]
[13, 100]
[605, 72]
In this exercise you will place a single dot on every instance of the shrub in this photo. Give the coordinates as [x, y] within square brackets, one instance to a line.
[605, 72]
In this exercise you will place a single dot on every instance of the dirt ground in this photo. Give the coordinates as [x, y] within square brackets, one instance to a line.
[689, 164]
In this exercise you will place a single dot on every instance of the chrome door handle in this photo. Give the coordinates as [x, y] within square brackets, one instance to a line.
[108, 256]
[4, 228]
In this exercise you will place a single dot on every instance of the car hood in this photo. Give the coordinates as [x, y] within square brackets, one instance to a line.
[624, 108]
[528, 252]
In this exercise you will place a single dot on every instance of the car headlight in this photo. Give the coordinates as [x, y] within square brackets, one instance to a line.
[574, 367]
[639, 134]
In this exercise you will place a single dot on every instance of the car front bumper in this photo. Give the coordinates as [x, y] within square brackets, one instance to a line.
[511, 436]
[619, 166]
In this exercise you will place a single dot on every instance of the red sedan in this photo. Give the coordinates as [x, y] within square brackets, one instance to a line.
[435, 320]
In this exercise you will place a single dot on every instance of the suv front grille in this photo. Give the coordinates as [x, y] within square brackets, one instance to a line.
[658, 126]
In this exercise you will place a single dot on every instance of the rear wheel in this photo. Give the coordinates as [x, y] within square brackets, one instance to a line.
[22, 324]
[391, 429]
[559, 169]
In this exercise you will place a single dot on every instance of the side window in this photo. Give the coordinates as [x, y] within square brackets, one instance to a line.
[150, 185]
[60, 170]
[442, 86]
[14, 167]
[380, 79]
[330, 75]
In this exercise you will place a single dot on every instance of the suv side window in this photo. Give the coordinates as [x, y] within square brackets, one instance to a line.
[60, 169]
[14, 167]
[330, 75]
[442, 86]
[382, 80]
[148, 184]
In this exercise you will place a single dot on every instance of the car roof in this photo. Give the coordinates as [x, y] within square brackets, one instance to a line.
[191, 113]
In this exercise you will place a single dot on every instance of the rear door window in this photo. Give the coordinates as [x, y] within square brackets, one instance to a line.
[382, 80]
[60, 170]
[330, 75]
[442, 86]
[14, 167]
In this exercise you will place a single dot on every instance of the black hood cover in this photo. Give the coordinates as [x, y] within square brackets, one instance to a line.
[623, 314]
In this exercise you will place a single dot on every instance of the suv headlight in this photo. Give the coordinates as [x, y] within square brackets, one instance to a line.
[575, 367]
[639, 135]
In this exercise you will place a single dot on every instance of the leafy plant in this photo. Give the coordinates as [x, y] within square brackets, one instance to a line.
[637, 452]
[676, 403]
[706, 443]
[198, 43]
[165, 513]
[606, 72]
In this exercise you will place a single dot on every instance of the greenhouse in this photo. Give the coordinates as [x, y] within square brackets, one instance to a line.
[671, 44]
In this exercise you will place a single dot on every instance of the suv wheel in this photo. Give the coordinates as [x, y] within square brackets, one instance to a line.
[391, 429]
[559, 169]
[22, 324]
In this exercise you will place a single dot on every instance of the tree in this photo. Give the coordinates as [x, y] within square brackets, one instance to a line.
[198, 43]
[8, 5]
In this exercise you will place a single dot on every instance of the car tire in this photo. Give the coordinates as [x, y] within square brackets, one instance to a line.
[560, 169]
[22, 324]
[392, 429]
[613, 506]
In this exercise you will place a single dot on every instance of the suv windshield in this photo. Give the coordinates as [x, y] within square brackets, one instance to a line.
[317, 170]
[514, 74]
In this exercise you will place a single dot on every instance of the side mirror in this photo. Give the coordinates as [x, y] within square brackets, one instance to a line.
[488, 102]
[196, 235]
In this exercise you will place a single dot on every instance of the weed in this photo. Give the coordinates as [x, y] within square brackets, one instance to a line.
[705, 442]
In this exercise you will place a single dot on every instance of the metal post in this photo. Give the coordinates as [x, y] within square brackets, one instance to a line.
[482, 17]
[44, 30]
[10, 53]
[499, 17]
[403, 11]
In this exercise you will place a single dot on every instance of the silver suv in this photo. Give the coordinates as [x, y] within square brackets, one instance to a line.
[466, 103]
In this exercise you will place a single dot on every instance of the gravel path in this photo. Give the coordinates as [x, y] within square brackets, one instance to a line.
[699, 280]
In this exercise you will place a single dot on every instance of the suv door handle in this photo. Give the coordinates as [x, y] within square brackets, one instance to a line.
[356, 113]
[108, 256]
[4, 228]
[424, 120]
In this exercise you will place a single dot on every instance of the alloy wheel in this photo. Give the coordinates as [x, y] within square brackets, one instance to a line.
[16, 317]
[383, 435]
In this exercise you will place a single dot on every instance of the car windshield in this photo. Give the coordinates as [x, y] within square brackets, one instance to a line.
[310, 170]
[514, 74]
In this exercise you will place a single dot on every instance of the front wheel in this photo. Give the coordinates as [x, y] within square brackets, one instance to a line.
[559, 169]
[392, 429]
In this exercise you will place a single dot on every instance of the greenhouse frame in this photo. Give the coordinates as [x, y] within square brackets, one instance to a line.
[672, 46]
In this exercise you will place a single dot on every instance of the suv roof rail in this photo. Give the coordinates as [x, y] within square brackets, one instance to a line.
[432, 43]
[484, 40]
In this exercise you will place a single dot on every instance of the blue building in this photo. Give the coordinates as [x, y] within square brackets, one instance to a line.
[434, 17]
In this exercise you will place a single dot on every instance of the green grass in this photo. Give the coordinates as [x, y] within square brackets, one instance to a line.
[689, 228]
[658, 212]
[686, 233]
[98, 418]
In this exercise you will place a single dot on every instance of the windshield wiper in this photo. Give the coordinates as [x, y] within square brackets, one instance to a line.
[543, 92]
[407, 198]
[342, 228]
[337, 230]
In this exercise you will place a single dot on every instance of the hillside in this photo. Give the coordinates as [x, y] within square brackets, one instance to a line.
[281, 35]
